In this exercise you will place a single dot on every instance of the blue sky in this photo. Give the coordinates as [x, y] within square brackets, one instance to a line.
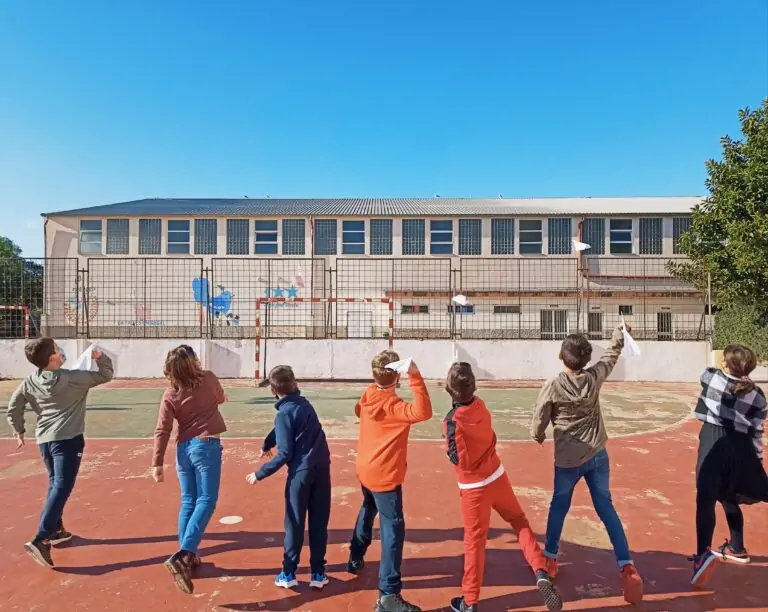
[108, 101]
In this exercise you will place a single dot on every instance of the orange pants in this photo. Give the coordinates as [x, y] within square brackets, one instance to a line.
[476, 507]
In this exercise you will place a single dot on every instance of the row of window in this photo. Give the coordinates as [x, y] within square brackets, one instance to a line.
[625, 310]
[440, 237]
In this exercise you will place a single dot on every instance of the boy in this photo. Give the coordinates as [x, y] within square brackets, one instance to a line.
[58, 397]
[571, 401]
[484, 485]
[385, 422]
[302, 446]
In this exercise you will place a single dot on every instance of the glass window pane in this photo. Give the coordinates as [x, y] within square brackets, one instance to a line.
[441, 226]
[353, 249]
[178, 248]
[93, 225]
[266, 226]
[441, 249]
[621, 224]
[530, 225]
[266, 248]
[178, 226]
[354, 226]
[266, 237]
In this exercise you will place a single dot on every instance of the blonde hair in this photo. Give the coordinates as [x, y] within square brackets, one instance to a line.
[383, 376]
[183, 369]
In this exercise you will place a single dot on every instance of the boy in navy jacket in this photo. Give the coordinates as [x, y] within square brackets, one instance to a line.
[302, 446]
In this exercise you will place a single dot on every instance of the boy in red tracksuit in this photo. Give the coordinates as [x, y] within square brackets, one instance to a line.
[483, 485]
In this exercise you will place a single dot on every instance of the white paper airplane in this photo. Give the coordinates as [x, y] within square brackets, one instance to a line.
[580, 246]
[400, 366]
[461, 300]
[631, 349]
[85, 361]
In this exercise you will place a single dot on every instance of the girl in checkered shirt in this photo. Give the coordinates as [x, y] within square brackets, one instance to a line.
[729, 467]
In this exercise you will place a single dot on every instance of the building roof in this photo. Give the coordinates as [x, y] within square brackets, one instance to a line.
[387, 207]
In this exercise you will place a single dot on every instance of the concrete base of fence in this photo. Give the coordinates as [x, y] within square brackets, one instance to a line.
[350, 359]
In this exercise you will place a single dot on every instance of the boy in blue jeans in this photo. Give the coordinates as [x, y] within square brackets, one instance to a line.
[571, 402]
[302, 446]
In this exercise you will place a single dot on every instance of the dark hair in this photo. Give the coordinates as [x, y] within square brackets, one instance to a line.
[40, 351]
[182, 368]
[282, 380]
[576, 352]
[741, 361]
[460, 383]
[383, 376]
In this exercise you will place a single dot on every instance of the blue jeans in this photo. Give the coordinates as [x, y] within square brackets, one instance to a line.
[596, 472]
[62, 460]
[198, 464]
[389, 506]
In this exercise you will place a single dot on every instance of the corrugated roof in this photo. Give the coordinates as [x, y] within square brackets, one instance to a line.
[387, 207]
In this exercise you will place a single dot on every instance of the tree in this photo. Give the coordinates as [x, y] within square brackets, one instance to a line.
[9, 249]
[21, 284]
[728, 238]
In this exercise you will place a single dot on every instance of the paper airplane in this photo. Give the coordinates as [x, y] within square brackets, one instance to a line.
[580, 246]
[400, 366]
[461, 300]
[630, 346]
[85, 361]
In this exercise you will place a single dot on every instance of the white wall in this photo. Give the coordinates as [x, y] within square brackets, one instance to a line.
[350, 359]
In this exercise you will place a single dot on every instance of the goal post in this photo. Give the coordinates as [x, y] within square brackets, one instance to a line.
[264, 302]
[24, 313]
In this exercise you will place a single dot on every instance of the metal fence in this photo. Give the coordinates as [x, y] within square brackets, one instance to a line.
[509, 298]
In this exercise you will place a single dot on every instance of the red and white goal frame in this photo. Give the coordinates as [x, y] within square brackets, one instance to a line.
[25, 311]
[275, 300]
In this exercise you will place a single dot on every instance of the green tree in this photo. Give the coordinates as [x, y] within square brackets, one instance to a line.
[21, 284]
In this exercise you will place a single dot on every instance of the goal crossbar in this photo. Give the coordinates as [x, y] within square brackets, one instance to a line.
[25, 311]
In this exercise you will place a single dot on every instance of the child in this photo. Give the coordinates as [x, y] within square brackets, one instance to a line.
[571, 402]
[193, 401]
[729, 469]
[385, 422]
[58, 397]
[484, 485]
[301, 444]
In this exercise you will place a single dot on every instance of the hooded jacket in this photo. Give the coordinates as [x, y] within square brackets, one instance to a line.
[571, 402]
[58, 398]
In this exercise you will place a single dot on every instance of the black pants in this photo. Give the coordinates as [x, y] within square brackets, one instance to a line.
[705, 523]
[62, 460]
[389, 506]
[308, 491]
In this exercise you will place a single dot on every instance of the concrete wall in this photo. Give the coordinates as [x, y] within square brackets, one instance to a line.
[350, 359]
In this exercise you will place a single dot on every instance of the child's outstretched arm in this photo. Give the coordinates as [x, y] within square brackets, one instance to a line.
[542, 413]
[15, 416]
[284, 439]
[88, 380]
[604, 367]
[420, 410]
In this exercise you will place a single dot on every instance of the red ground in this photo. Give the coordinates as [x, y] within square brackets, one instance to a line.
[126, 525]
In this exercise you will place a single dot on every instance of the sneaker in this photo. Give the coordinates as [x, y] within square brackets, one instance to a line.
[179, 565]
[548, 590]
[727, 553]
[553, 568]
[40, 551]
[355, 565]
[631, 584]
[286, 581]
[318, 580]
[394, 603]
[459, 605]
[703, 567]
[61, 536]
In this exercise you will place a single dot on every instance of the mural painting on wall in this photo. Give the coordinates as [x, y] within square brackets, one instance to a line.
[142, 317]
[286, 289]
[75, 305]
[219, 306]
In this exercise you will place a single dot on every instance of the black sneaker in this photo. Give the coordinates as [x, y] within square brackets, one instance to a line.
[355, 565]
[548, 590]
[459, 605]
[180, 567]
[61, 536]
[40, 551]
[394, 603]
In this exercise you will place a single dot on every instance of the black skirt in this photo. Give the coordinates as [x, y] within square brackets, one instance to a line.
[728, 468]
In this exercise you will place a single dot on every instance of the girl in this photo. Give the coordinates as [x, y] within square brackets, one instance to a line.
[729, 468]
[193, 400]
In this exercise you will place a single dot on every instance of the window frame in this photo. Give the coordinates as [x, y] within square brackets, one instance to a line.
[677, 233]
[422, 242]
[289, 243]
[330, 223]
[127, 224]
[231, 244]
[420, 309]
[586, 235]
[467, 245]
[511, 227]
[375, 243]
[169, 242]
[84, 232]
[617, 242]
[155, 222]
[648, 244]
[344, 244]
[437, 247]
[273, 245]
[521, 231]
[564, 242]
[497, 309]
[554, 334]
[202, 244]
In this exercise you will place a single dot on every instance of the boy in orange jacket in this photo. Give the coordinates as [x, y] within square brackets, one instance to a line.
[483, 485]
[385, 422]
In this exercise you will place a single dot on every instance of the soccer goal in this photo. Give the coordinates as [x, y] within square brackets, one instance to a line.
[14, 320]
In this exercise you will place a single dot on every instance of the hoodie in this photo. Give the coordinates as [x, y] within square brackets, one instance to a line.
[571, 402]
[58, 398]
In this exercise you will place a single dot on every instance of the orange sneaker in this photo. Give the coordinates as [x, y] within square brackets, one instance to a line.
[631, 584]
[552, 568]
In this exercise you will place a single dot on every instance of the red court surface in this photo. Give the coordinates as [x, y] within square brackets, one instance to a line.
[126, 527]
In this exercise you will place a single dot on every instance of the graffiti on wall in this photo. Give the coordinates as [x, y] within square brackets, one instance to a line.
[219, 306]
[142, 318]
[81, 304]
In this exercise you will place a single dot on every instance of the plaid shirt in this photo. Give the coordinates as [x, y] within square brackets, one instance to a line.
[719, 406]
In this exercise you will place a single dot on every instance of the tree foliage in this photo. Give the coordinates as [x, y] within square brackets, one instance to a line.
[21, 284]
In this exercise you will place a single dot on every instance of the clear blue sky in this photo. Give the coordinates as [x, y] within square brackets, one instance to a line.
[108, 101]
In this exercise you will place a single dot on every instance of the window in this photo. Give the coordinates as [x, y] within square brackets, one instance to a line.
[265, 242]
[413, 237]
[294, 231]
[178, 238]
[502, 236]
[593, 234]
[238, 236]
[507, 309]
[325, 236]
[554, 324]
[621, 236]
[381, 237]
[353, 237]
[559, 236]
[462, 309]
[117, 236]
[664, 326]
[470, 237]
[680, 225]
[411, 309]
[150, 236]
[530, 237]
[651, 236]
[90, 237]
[595, 325]
[441, 237]
[205, 236]
[625, 310]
